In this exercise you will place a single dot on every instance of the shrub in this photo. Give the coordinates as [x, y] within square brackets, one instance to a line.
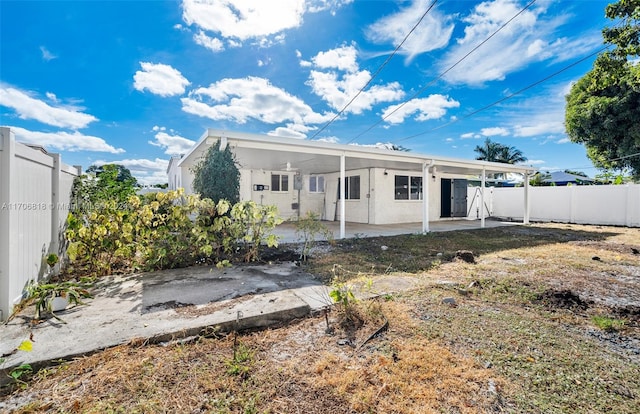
[216, 176]
[167, 230]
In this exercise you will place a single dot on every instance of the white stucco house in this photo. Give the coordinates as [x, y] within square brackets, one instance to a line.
[381, 186]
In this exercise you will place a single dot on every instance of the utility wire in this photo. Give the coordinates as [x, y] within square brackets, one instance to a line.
[377, 71]
[469, 115]
[637, 154]
[444, 73]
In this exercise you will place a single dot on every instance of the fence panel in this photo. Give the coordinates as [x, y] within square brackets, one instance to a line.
[617, 205]
[35, 190]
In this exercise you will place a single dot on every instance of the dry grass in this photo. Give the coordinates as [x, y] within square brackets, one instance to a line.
[521, 339]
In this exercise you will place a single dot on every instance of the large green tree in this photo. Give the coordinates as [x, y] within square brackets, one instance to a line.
[216, 175]
[496, 152]
[603, 107]
[100, 184]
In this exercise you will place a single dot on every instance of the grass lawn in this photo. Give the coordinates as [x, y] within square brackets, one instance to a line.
[545, 320]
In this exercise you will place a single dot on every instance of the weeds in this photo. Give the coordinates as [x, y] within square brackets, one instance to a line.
[308, 228]
[240, 364]
[608, 324]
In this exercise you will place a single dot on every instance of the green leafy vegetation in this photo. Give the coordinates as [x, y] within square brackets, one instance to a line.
[607, 323]
[216, 175]
[308, 228]
[602, 107]
[167, 230]
[496, 152]
[519, 339]
[41, 295]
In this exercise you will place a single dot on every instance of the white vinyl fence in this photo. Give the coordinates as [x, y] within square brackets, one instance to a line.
[617, 205]
[35, 190]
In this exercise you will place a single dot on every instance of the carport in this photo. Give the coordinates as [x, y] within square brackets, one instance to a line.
[305, 157]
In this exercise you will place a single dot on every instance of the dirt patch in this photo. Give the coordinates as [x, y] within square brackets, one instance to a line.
[608, 246]
[563, 299]
[279, 255]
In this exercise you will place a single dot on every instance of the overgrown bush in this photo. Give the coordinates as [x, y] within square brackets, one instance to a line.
[251, 226]
[167, 230]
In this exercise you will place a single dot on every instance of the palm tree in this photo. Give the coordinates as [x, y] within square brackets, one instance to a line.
[496, 152]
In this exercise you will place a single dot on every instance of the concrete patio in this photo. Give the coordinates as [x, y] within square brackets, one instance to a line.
[287, 230]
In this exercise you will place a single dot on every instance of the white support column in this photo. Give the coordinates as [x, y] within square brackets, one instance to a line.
[525, 219]
[342, 195]
[425, 197]
[483, 182]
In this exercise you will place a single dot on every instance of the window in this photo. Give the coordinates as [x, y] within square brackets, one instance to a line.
[408, 188]
[316, 184]
[279, 182]
[352, 188]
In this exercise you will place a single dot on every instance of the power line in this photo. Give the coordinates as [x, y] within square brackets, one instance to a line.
[445, 72]
[469, 115]
[637, 154]
[377, 71]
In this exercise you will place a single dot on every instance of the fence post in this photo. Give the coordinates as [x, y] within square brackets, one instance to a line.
[572, 204]
[7, 153]
[54, 246]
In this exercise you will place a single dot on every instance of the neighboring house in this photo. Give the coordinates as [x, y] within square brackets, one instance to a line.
[561, 178]
[381, 186]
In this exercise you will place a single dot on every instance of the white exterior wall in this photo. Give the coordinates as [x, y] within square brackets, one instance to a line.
[34, 200]
[599, 204]
[174, 175]
[356, 211]
[283, 200]
[392, 211]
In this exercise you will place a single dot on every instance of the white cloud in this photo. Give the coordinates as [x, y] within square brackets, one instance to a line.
[211, 43]
[330, 140]
[261, 21]
[538, 126]
[495, 131]
[243, 19]
[159, 79]
[146, 171]
[433, 107]
[343, 58]
[470, 135]
[250, 98]
[337, 90]
[535, 162]
[172, 144]
[433, 32]
[46, 54]
[530, 37]
[31, 108]
[289, 132]
[315, 6]
[65, 141]
[542, 115]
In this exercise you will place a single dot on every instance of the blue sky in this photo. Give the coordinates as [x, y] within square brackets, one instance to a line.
[135, 82]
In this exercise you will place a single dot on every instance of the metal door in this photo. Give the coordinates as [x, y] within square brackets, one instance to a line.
[459, 198]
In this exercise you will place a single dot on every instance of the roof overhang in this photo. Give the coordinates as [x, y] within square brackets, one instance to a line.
[318, 157]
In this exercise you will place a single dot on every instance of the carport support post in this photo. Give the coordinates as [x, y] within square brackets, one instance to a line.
[425, 197]
[483, 181]
[525, 219]
[342, 203]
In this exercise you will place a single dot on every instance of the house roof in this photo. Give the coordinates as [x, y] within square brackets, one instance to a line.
[317, 157]
[563, 177]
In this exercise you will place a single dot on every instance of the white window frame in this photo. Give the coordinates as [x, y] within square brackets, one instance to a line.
[278, 188]
[414, 187]
[318, 184]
